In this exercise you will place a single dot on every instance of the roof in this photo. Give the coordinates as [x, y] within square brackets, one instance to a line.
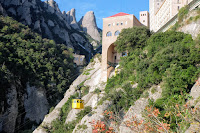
[119, 14]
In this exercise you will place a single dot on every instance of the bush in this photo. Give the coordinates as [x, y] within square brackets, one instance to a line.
[170, 57]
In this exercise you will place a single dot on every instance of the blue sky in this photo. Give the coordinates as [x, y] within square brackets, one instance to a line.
[103, 8]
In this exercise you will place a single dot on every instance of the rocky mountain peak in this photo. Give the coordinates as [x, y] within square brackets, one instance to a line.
[71, 19]
[88, 23]
[53, 6]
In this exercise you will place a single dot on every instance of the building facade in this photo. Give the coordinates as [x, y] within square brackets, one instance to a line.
[144, 18]
[112, 27]
[161, 11]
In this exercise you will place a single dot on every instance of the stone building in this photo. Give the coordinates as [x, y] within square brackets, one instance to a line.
[144, 18]
[112, 27]
[161, 11]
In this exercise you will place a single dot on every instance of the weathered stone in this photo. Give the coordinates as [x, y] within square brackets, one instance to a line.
[35, 104]
[50, 23]
[37, 26]
[195, 93]
[24, 12]
[12, 10]
[78, 38]
[192, 27]
[47, 31]
[89, 25]
[12, 111]
[72, 19]
[2, 11]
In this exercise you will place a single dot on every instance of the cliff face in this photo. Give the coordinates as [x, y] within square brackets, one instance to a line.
[91, 78]
[88, 23]
[92, 99]
[22, 108]
[191, 24]
[46, 19]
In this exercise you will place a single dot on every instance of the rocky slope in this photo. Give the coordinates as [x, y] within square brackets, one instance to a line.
[91, 77]
[23, 96]
[88, 23]
[191, 23]
[92, 99]
[46, 19]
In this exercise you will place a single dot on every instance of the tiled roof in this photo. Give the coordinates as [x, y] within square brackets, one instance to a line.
[119, 14]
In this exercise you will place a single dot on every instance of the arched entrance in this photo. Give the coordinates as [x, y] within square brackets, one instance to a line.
[112, 59]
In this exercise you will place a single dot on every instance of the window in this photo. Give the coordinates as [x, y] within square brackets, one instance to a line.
[126, 22]
[178, 7]
[74, 101]
[143, 21]
[113, 24]
[121, 23]
[117, 23]
[124, 54]
[117, 33]
[109, 34]
[81, 59]
[109, 25]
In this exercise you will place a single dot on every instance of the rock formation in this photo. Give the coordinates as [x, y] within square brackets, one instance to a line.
[88, 23]
[34, 102]
[193, 26]
[2, 11]
[72, 19]
[47, 19]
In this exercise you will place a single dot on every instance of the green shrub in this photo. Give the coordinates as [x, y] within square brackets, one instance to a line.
[171, 58]
[153, 90]
[182, 13]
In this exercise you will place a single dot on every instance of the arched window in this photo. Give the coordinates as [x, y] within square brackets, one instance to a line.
[117, 33]
[109, 34]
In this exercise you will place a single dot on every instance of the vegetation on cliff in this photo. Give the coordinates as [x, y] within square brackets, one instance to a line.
[27, 58]
[171, 59]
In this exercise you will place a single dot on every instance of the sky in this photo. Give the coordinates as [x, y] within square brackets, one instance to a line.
[103, 8]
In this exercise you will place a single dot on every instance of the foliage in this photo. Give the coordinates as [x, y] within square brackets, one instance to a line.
[87, 72]
[82, 126]
[97, 91]
[182, 13]
[171, 58]
[59, 126]
[152, 120]
[27, 58]
[132, 38]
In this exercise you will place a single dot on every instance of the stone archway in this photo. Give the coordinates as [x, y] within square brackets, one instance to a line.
[111, 59]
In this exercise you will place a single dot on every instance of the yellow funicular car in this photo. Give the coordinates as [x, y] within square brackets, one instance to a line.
[78, 103]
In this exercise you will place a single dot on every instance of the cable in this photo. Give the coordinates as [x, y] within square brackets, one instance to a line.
[28, 121]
